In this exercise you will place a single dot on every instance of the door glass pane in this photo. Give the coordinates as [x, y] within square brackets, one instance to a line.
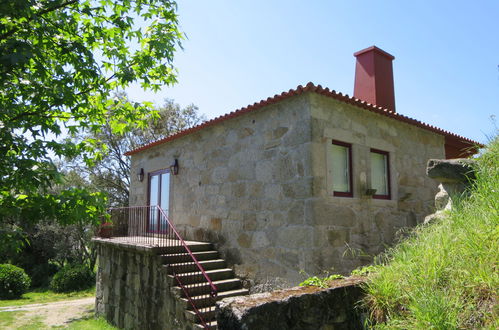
[153, 200]
[379, 173]
[165, 191]
[340, 163]
[165, 198]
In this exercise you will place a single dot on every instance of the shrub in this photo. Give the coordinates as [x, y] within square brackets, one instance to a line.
[72, 278]
[41, 274]
[13, 281]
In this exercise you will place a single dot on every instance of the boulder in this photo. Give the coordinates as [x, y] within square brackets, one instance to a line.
[451, 170]
[454, 176]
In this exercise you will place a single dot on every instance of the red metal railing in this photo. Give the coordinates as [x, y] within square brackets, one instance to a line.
[150, 226]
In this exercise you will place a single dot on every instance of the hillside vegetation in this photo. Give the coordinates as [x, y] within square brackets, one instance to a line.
[445, 275]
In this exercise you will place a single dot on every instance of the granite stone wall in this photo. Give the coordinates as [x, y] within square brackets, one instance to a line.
[347, 232]
[258, 187]
[240, 185]
[132, 290]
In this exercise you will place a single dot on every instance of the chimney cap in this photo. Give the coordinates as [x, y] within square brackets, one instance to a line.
[376, 49]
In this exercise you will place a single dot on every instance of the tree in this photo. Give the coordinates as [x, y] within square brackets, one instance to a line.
[60, 60]
[111, 173]
[48, 245]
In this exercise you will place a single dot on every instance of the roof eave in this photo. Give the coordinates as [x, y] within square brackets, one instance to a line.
[310, 87]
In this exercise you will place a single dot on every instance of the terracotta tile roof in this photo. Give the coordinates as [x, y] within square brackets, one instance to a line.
[310, 87]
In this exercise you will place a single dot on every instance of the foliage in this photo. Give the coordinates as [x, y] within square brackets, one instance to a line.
[52, 246]
[320, 282]
[72, 278]
[13, 281]
[45, 295]
[364, 271]
[60, 60]
[111, 173]
[47, 245]
[445, 275]
[41, 274]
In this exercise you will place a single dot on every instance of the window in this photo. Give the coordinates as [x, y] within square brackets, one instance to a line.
[380, 174]
[341, 155]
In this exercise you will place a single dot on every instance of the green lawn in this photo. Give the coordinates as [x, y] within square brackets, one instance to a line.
[39, 296]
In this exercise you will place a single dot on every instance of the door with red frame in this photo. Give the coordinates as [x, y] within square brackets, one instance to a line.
[159, 194]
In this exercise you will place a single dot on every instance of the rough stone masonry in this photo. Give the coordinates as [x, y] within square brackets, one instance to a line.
[259, 186]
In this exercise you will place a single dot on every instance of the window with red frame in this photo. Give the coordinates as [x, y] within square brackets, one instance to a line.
[341, 155]
[380, 174]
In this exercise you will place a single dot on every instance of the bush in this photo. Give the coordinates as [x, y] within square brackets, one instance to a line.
[13, 281]
[72, 278]
[41, 274]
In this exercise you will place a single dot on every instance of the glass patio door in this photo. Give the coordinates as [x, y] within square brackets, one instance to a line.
[159, 194]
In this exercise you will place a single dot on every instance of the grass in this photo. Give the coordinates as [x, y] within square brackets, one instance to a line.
[17, 320]
[445, 276]
[44, 295]
[7, 319]
[91, 324]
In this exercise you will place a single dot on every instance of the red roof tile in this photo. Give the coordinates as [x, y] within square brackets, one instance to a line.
[310, 87]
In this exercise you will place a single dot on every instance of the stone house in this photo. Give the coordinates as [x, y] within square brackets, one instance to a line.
[308, 180]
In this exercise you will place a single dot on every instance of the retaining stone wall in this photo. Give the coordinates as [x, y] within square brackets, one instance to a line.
[132, 290]
[307, 308]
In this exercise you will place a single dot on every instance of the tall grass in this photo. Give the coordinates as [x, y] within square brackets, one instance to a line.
[446, 275]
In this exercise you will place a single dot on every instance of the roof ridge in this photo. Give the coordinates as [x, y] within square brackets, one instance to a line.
[309, 87]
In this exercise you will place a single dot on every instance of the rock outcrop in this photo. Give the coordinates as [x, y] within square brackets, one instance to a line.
[454, 175]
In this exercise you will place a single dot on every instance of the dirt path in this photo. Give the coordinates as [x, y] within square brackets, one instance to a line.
[57, 313]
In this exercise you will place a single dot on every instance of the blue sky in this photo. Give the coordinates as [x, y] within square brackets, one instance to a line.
[239, 52]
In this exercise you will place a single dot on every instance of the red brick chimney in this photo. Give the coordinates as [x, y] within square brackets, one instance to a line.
[374, 77]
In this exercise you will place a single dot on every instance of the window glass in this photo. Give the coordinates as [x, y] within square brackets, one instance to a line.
[379, 173]
[341, 167]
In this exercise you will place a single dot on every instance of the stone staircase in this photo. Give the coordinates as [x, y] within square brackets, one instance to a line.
[216, 268]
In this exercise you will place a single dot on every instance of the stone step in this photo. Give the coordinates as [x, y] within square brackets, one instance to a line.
[197, 277]
[203, 301]
[211, 325]
[193, 246]
[208, 314]
[185, 257]
[205, 288]
[185, 267]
